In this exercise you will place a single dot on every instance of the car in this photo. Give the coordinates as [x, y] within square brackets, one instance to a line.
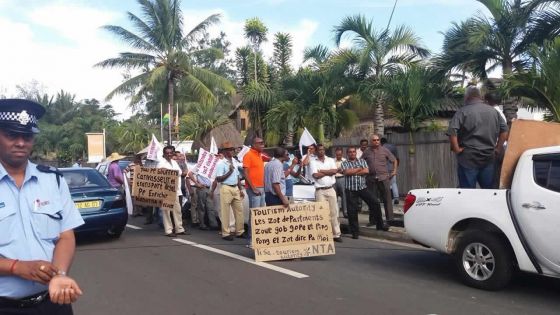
[102, 206]
[103, 167]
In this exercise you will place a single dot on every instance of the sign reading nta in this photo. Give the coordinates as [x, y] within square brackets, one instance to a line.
[155, 187]
[301, 230]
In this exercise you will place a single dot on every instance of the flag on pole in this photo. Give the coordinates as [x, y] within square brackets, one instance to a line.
[177, 118]
[166, 119]
[154, 150]
[306, 139]
[213, 146]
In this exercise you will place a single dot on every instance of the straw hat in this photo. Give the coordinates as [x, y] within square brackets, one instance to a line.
[227, 146]
[115, 157]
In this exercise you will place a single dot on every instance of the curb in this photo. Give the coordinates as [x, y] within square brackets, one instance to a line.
[395, 233]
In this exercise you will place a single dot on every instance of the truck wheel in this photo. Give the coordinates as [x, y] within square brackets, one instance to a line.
[483, 260]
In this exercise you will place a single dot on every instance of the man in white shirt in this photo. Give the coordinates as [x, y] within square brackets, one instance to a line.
[363, 147]
[306, 162]
[170, 164]
[324, 170]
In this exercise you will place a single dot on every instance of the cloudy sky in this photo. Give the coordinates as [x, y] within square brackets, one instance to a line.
[56, 43]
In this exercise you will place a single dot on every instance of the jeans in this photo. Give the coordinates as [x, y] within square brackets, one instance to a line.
[394, 188]
[205, 207]
[468, 177]
[254, 202]
[340, 192]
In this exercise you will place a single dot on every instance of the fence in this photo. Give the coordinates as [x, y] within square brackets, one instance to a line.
[432, 165]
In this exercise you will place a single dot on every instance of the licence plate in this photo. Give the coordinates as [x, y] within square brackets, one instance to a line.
[88, 204]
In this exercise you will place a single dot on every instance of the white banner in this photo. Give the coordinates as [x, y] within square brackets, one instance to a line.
[206, 165]
[154, 150]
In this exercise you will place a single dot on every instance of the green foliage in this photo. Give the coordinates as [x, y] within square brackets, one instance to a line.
[200, 119]
[255, 31]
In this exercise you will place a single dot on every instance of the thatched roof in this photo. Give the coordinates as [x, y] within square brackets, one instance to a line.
[221, 134]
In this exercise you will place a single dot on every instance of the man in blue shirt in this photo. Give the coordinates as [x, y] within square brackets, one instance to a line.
[275, 179]
[231, 193]
[37, 218]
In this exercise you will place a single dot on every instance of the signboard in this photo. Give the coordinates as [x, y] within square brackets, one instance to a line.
[155, 187]
[206, 165]
[96, 147]
[154, 150]
[301, 230]
[525, 135]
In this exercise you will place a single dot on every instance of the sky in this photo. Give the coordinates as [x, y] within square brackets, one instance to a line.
[55, 43]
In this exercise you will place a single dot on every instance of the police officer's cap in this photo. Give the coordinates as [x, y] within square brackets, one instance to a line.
[20, 116]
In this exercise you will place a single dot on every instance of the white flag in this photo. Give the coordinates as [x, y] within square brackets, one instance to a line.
[306, 139]
[213, 146]
[154, 150]
[242, 153]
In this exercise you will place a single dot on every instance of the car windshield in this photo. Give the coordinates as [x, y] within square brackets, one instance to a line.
[85, 178]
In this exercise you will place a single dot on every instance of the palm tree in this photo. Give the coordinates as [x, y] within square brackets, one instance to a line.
[242, 64]
[255, 31]
[541, 84]
[482, 44]
[200, 119]
[377, 52]
[257, 99]
[162, 58]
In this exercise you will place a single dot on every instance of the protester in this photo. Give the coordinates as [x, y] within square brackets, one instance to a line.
[114, 173]
[477, 134]
[37, 238]
[363, 147]
[168, 163]
[205, 204]
[355, 171]
[379, 178]
[306, 162]
[231, 193]
[275, 179]
[339, 185]
[390, 166]
[323, 169]
[78, 163]
[253, 166]
[180, 158]
[291, 171]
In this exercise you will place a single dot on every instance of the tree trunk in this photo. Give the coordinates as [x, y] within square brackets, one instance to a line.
[255, 58]
[411, 165]
[379, 126]
[289, 139]
[510, 105]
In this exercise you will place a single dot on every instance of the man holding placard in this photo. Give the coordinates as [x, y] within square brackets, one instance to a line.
[169, 163]
[324, 169]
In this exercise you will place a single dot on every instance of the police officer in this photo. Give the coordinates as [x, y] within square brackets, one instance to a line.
[37, 218]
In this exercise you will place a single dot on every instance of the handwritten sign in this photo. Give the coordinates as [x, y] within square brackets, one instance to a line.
[206, 164]
[302, 230]
[155, 187]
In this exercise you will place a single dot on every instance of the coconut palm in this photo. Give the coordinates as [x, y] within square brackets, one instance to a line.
[255, 32]
[482, 44]
[161, 56]
[541, 84]
[377, 52]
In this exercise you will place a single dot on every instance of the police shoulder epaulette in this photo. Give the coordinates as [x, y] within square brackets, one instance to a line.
[50, 169]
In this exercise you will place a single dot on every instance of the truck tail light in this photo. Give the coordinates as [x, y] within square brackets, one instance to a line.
[408, 202]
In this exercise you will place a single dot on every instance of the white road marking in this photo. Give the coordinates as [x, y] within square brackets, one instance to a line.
[245, 259]
[134, 227]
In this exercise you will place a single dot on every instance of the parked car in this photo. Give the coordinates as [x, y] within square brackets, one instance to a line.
[102, 207]
[103, 167]
[491, 233]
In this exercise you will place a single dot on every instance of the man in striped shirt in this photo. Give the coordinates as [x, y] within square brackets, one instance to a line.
[355, 171]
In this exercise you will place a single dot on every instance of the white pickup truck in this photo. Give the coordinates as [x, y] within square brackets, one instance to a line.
[492, 233]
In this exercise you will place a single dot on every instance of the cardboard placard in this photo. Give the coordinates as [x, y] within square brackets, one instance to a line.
[206, 164]
[155, 187]
[301, 230]
[525, 135]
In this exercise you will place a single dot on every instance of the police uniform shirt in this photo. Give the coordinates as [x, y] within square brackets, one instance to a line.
[31, 220]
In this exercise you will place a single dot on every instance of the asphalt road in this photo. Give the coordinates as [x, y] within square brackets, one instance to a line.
[144, 272]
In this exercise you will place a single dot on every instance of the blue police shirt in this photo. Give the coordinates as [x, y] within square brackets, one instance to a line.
[31, 220]
[223, 167]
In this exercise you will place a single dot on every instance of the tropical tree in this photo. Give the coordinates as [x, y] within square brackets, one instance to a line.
[376, 53]
[255, 32]
[483, 44]
[161, 55]
[540, 85]
[282, 54]
[200, 119]
[243, 64]
[257, 99]
[135, 133]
